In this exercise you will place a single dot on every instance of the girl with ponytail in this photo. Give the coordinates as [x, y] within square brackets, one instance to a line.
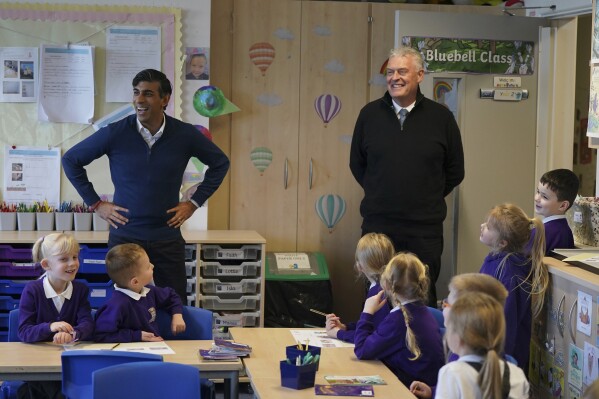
[408, 340]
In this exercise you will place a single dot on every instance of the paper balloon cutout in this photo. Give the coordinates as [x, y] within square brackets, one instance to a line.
[330, 208]
[261, 157]
[327, 106]
[204, 130]
[209, 101]
[262, 55]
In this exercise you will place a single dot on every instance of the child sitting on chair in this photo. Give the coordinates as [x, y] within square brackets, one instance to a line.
[130, 314]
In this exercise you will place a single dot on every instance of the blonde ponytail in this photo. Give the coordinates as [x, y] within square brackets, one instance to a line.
[539, 273]
[411, 341]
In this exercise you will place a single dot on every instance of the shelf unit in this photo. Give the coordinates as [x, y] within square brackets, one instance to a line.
[234, 251]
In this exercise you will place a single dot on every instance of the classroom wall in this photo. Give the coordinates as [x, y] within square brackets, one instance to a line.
[195, 22]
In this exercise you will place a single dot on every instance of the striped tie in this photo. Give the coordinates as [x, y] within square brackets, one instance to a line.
[402, 116]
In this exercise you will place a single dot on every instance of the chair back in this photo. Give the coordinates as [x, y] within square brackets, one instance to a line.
[198, 324]
[13, 326]
[78, 366]
[438, 315]
[148, 380]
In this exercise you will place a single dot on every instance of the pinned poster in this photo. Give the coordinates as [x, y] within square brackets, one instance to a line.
[584, 313]
[589, 367]
[575, 358]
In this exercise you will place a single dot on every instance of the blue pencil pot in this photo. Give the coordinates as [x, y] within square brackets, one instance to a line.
[292, 352]
[298, 377]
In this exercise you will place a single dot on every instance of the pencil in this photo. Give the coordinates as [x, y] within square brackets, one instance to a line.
[318, 312]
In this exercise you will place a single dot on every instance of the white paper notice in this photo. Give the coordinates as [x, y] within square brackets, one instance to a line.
[114, 116]
[129, 50]
[67, 84]
[19, 74]
[31, 174]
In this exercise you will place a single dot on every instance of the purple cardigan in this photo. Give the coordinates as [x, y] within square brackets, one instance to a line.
[387, 343]
[518, 311]
[122, 318]
[36, 313]
[348, 334]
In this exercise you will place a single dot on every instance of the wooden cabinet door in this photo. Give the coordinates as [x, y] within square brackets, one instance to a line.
[334, 63]
[266, 83]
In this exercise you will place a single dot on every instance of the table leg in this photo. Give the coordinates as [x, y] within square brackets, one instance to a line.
[232, 386]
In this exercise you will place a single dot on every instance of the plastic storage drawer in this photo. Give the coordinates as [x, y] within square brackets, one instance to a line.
[191, 285]
[245, 269]
[8, 303]
[11, 287]
[190, 268]
[3, 335]
[250, 302]
[92, 259]
[245, 252]
[4, 320]
[191, 300]
[99, 293]
[244, 319]
[8, 252]
[215, 286]
[29, 269]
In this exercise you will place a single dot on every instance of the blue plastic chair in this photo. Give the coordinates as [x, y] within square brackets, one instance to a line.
[146, 380]
[198, 324]
[78, 366]
[8, 389]
[438, 315]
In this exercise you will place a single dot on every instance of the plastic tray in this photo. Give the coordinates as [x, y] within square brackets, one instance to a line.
[11, 287]
[92, 259]
[18, 269]
[8, 252]
[244, 252]
[8, 303]
[244, 319]
[215, 286]
[245, 269]
[250, 302]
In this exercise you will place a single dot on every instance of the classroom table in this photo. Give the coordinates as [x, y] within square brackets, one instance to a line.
[41, 361]
[268, 349]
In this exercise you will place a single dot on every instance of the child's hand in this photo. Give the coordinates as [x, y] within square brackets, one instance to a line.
[421, 390]
[177, 324]
[150, 337]
[334, 321]
[61, 326]
[374, 303]
[62, 338]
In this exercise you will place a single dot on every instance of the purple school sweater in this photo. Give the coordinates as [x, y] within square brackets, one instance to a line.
[348, 334]
[36, 313]
[122, 318]
[387, 343]
[518, 311]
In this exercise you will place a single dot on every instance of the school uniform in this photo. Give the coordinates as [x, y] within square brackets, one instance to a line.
[387, 343]
[518, 310]
[348, 334]
[37, 310]
[557, 233]
[127, 313]
[460, 380]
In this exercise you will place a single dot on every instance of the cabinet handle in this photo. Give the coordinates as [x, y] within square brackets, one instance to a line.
[285, 174]
[560, 316]
[570, 321]
[310, 175]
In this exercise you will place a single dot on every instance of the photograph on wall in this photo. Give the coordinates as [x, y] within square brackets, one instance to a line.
[575, 358]
[445, 92]
[197, 65]
[584, 313]
[593, 122]
[19, 74]
[589, 365]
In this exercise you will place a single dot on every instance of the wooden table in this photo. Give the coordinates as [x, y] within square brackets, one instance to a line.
[41, 361]
[268, 349]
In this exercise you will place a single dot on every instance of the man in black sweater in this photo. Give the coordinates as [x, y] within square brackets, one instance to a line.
[407, 155]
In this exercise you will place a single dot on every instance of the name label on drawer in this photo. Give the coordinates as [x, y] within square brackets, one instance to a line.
[96, 293]
[95, 261]
[230, 271]
[230, 254]
[228, 323]
[228, 288]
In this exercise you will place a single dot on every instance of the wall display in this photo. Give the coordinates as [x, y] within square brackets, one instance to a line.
[330, 208]
[19, 76]
[197, 64]
[589, 364]
[262, 55]
[576, 359]
[584, 313]
[261, 158]
[327, 106]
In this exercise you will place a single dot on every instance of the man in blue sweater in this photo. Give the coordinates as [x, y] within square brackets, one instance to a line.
[407, 155]
[148, 153]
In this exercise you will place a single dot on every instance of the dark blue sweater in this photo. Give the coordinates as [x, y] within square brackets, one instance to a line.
[146, 180]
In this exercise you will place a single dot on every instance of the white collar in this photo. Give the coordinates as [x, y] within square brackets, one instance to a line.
[51, 293]
[472, 358]
[398, 107]
[141, 129]
[132, 294]
[403, 304]
[553, 217]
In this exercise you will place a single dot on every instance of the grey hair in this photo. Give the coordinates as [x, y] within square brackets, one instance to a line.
[406, 51]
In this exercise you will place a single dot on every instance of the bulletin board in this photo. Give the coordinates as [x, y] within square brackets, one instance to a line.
[31, 25]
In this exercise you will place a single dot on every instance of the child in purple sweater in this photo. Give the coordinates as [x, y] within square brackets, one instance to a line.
[54, 308]
[373, 253]
[130, 314]
[507, 232]
[408, 340]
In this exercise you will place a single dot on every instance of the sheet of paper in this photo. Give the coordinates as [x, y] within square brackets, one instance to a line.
[318, 338]
[292, 261]
[31, 174]
[114, 116]
[19, 74]
[159, 348]
[88, 346]
[67, 84]
[583, 257]
[129, 49]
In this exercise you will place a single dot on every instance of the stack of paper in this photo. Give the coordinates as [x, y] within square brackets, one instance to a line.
[225, 350]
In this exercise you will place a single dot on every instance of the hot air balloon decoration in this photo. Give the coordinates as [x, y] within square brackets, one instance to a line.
[330, 208]
[262, 55]
[327, 106]
[261, 157]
